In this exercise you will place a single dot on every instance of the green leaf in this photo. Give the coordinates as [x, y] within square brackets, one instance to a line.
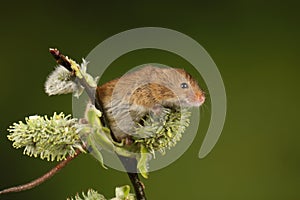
[95, 136]
[96, 152]
[123, 193]
[143, 160]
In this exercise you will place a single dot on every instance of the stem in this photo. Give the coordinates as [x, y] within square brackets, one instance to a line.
[41, 179]
[128, 163]
[137, 185]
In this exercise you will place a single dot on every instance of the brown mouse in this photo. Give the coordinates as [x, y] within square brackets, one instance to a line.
[128, 99]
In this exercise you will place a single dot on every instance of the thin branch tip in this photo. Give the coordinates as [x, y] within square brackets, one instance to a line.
[60, 58]
[43, 178]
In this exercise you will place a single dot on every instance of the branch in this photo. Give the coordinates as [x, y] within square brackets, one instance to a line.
[128, 163]
[43, 178]
[138, 186]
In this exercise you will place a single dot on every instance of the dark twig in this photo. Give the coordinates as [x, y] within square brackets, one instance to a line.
[43, 178]
[138, 186]
[130, 164]
[90, 91]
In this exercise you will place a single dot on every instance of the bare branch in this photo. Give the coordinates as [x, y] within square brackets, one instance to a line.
[41, 179]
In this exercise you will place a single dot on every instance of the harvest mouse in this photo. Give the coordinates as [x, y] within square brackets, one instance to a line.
[128, 99]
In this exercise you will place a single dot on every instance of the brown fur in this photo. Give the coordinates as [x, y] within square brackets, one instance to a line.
[127, 99]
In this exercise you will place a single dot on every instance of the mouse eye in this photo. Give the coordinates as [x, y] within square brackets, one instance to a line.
[184, 85]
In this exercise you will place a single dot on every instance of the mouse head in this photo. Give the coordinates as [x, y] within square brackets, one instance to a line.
[181, 88]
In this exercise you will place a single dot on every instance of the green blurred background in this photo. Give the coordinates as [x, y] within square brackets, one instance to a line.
[256, 47]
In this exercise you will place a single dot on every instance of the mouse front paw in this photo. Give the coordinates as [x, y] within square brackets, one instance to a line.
[156, 110]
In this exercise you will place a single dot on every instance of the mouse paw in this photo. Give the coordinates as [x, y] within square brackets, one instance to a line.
[156, 110]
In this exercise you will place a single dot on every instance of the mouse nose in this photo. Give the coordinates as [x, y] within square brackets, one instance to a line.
[200, 98]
